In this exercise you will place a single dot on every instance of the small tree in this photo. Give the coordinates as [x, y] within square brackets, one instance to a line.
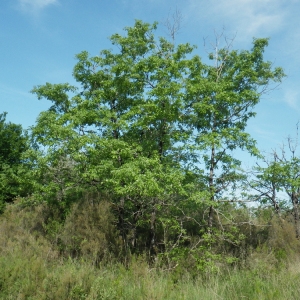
[290, 177]
[267, 183]
[281, 174]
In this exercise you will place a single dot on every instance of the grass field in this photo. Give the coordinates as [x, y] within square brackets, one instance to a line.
[24, 277]
[32, 267]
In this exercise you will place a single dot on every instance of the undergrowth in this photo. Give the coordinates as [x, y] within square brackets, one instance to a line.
[44, 258]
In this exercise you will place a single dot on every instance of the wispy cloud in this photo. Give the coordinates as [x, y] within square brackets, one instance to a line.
[35, 6]
[253, 13]
[292, 97]
[249, 17]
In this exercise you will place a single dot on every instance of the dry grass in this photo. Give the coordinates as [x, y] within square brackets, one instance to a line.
[89, 232]
[42, 258]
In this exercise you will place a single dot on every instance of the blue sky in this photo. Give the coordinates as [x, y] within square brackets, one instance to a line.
[39, 40]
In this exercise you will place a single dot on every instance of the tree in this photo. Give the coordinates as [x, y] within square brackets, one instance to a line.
[288, 175]
[13, 144]
[146, 116]
[120, 129]
[281, 174]
[267, 183]
[220, 101]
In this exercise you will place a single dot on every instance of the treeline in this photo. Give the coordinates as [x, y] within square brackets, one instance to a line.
[138, 159]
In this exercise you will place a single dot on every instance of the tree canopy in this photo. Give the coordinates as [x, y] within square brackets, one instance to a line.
[152, 126]
[13, 144]
[152, 129]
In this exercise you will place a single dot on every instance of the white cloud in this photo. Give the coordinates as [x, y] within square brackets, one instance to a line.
[34, 6]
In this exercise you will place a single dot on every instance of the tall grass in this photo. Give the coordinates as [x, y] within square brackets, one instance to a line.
[30, 278]
[35, 263]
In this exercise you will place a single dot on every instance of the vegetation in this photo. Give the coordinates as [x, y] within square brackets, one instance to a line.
[13, 144]
[128, 186]
[36, 261]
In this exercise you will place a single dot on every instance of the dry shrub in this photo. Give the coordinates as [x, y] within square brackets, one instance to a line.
[282, 239]
[22, 229]
[90, 232]
[279, 248]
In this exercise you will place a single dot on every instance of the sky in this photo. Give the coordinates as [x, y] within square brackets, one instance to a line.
[40, 38]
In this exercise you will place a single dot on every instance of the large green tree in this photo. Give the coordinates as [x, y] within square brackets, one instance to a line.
[152, 127]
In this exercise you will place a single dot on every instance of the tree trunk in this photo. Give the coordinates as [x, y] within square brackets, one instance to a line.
[211, 189]
[296, 214]
[273, 199]
[122, 226]
[153, 248]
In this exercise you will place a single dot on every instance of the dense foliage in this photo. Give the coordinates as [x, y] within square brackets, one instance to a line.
[13, 144]
[138, 159]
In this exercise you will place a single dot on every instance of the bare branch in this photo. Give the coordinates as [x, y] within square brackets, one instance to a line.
[173, 23]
